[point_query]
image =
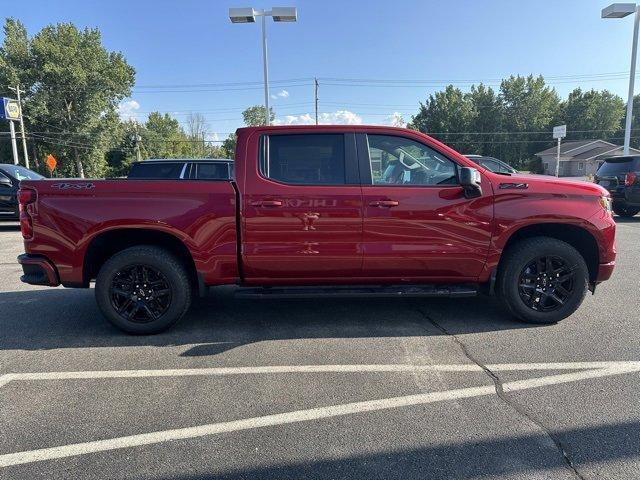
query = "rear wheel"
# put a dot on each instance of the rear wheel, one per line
(143, 290)
(542, 280)
(625, 210)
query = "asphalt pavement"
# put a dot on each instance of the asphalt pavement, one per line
(302, 389)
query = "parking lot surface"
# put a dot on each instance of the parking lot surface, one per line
(340, 389)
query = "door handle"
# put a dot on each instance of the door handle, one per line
(384, 203)
(267, 203)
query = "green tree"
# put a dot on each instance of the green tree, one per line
(255, 116)
(591, 114)
(73, 86)
(446, 114)
(486, 118)
(529, 105)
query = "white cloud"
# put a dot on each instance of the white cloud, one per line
(339, 117)
(128, 110)
(280, 94)
(396, 120)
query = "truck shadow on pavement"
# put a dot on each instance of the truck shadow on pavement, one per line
(68, 318)
(521, 456)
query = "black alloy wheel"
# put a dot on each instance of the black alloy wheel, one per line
(140, 293)
(546, 283)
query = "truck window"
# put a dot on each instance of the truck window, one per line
(212, 171)
(304, 159)
(402, 161)
(169, 170)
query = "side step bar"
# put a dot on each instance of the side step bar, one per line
(462, 290)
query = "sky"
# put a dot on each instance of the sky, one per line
(375, 60)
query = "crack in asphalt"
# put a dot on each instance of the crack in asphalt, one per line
(562, 449)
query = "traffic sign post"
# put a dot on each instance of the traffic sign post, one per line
(559, 132)
(11, 111)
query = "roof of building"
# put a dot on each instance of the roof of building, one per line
(596, 149)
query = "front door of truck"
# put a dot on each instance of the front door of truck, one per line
(418, 225)
(302, 210)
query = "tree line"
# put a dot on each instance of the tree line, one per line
(515, 122)
(73, 87)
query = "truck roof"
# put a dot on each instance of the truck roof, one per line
(327, 128)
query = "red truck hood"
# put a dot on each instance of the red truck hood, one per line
(549, 184)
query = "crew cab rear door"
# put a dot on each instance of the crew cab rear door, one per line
(301, 208)
(418, 224)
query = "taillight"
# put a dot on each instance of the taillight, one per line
(630, 179)
(26, 197)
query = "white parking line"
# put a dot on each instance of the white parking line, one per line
(357, 368)
(607, 369)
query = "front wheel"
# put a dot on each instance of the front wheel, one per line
(143, 290)
(542, 280)
(625, 210)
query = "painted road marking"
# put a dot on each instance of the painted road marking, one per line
(606, 369)
(357, 368)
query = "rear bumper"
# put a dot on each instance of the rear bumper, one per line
(38, 270)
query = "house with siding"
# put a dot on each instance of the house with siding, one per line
(579, 157)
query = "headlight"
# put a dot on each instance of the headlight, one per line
(605, 202)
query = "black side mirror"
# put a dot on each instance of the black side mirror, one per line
(470, 181)
(5, 182)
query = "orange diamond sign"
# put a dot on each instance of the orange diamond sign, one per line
(51, 162)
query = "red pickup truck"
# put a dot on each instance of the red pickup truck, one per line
(322, 210)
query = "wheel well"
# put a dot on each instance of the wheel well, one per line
(577, 237)
(107, 244)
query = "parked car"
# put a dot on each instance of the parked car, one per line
(322, 211)
(10, 177)
(492, 164)
(619, 175)
(185, 169)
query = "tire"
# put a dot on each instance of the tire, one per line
(625, 210)
(121, 290)
(522, 280)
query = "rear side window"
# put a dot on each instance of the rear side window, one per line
(169, 170)
(305, 159)
(617, 166)
(212, 171)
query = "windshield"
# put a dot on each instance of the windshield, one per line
(21, 173)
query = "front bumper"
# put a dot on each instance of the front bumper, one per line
(38, 270)
(604, 271)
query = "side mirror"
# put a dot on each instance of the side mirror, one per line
(5, 182)
(471, 182)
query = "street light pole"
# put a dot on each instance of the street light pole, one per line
(266, 69)
(248, 15)
(621, 10)
(632, 77)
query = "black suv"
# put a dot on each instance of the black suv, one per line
(10, 176)
(186, 169)
(620, 175)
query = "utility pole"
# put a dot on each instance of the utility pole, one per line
(316, 96)
(14, 146)
(137, 139)
(24, 138)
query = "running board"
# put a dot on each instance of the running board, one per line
(463, 290)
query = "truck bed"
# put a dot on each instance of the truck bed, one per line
(71, 215)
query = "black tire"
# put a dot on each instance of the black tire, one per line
(528, 292)
(120, 288)
(625, 210)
